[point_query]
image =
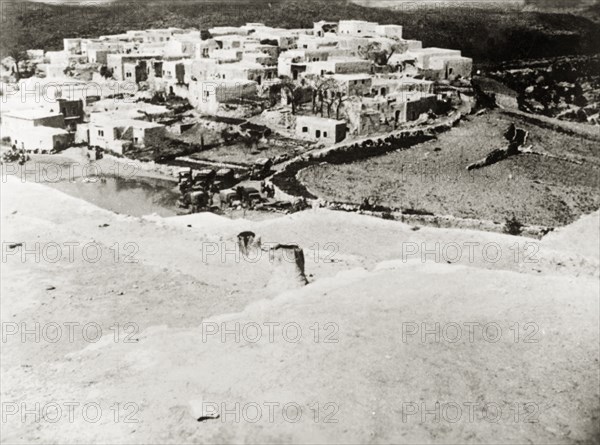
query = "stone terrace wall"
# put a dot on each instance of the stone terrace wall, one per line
(351, 151)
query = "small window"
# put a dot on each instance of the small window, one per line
(318, 133)
(100, 132)
(128, 75)
(304, 129)
(135, 140)
(324, 134)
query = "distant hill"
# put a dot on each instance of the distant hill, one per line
(561, 4)
(487, 35)
(542, 4)
(412, 4)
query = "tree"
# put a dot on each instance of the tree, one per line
(334, 95)
(319, 86)
(380, 53)
(314, 82)
(18, 44)
(328, 99)
(340, 98)
(406, 63)
(292, 91)
(324, 91)
(19, 56)
(155, 143)
(106, 72)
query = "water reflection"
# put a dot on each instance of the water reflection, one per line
(130, 196)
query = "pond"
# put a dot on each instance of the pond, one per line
(129, 196)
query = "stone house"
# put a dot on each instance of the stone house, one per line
(441, 63)
(35, 129)
(385, 85)
(127, 66)
(113, 132)
(319, 129)
(207, 95)
(389, 31)
(354, 84)
(357, 28)
(340, 65)
(230, 41)
(218, 31)
(323, 27)
(72, 46)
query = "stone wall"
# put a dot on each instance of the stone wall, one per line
(351, 151)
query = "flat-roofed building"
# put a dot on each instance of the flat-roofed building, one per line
(314, 128)
(357, 28)
(33, 117)
(230, 41)
(354, 84)
(123, 66)
(314, 43)
(389, 31)
(206, 95)
(227, 30)
(42, 139)
(442, 63)
(72, 46)
(242, 71)
(271, 50)
(341, 65)
(384, 86)
(35, 129)
(114, 132)
(323, 27)
(260, 58)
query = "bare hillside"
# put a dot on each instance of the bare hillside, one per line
(527, 372)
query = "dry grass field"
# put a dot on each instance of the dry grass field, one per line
(432, 176)
(240, 153)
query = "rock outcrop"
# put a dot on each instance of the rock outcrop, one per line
(288, 267)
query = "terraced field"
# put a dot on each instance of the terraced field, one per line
(537, 190)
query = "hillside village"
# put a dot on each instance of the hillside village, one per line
(255, 234)
(142, 93)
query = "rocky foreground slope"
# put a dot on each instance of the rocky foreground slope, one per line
(402, 335)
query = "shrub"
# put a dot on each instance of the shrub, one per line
(513, 226)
